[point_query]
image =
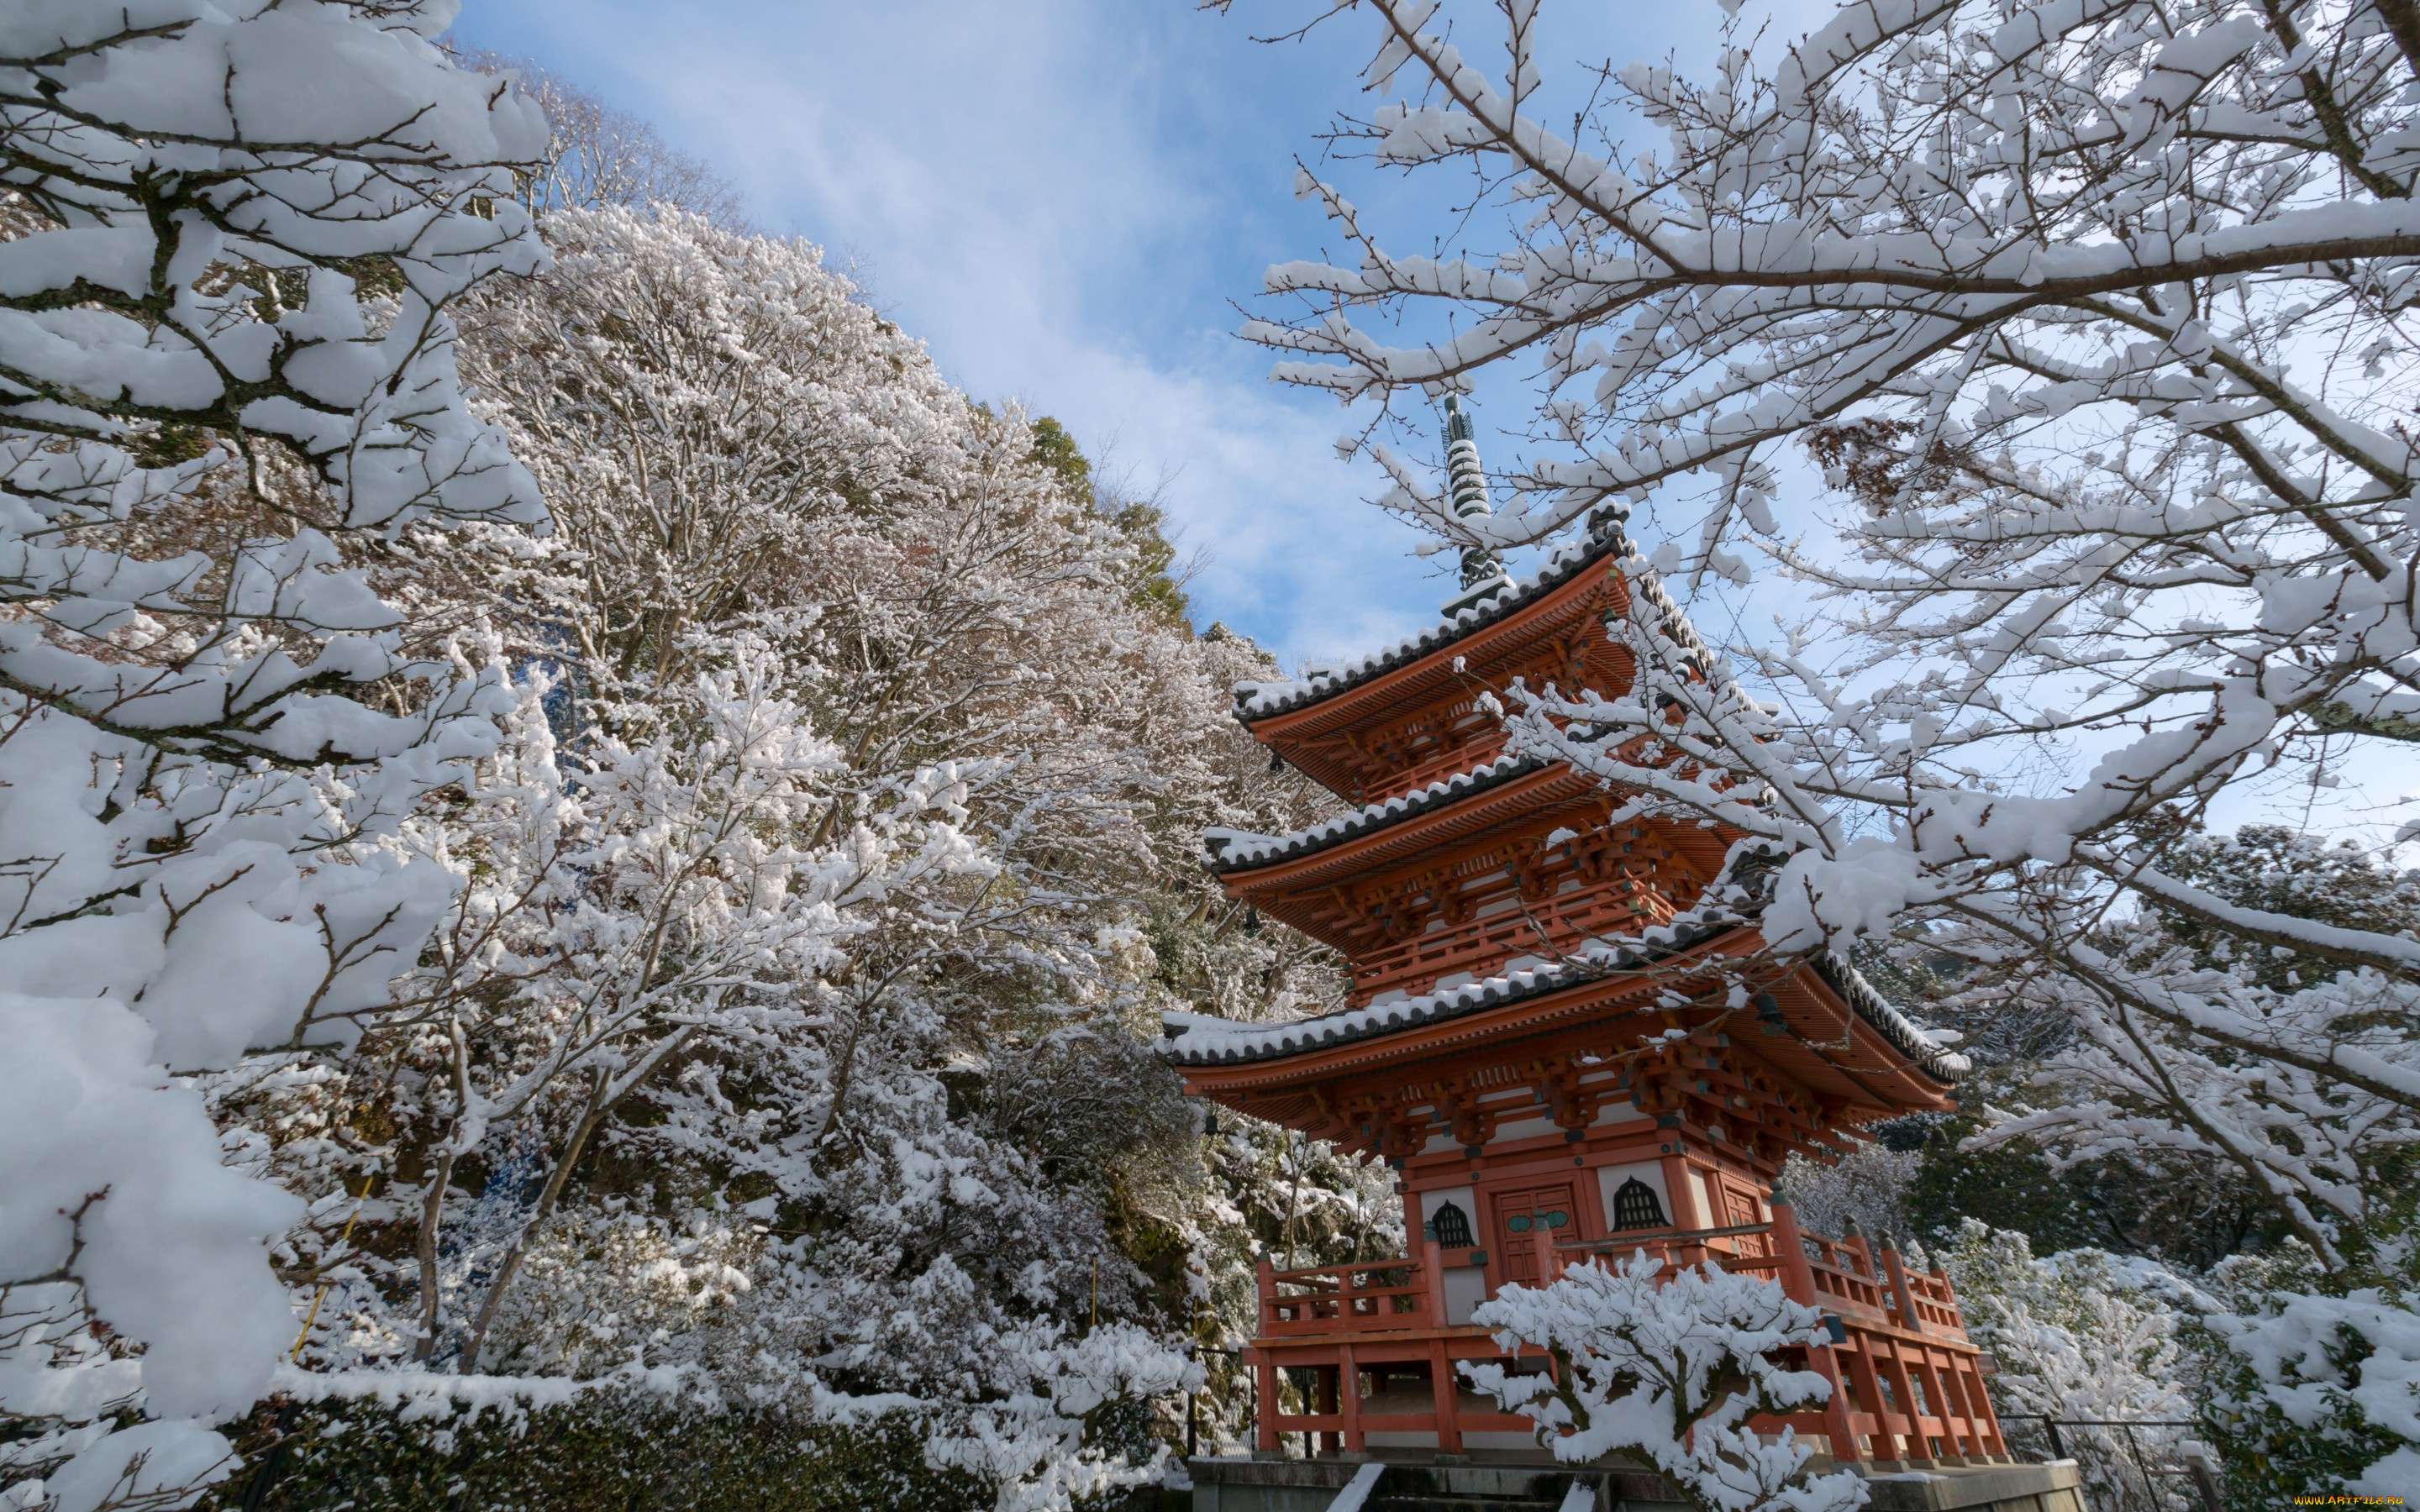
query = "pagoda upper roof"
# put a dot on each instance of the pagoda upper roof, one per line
(1204, 1040)
(1261, 699)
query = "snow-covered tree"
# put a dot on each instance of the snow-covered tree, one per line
(225, 352)
(597, 155)
(791, 1024)
(2327, 1153)
(2094, 320)
(1864, 1191)
(1669, 1368)
(2081, 1335)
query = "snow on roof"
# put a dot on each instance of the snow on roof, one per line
(1258, 699)
(1204, 1040)
(1733, 901)
(1239, 850)
(1911, 1038)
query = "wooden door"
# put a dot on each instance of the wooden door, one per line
(1519, 1215)
(1739, 1213)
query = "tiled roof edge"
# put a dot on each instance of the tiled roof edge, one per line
(1235, 850)
(1260, 700)
(1889, 1020)
(1276, 1041)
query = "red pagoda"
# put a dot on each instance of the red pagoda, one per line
(1566, 1034)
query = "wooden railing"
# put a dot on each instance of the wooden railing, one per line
(1364, 1297)
(1907, 1384)
(1843, 1277)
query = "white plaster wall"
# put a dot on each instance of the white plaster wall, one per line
(1526, 1128)
(1465, 1288)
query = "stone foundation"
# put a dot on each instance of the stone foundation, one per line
(1272, 1485)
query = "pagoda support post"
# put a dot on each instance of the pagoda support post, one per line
(1447, 1394)
(1687, 1213)
(1957, 1428)
(1348, 1397)
(1798, 1284)
(1869, 1388)
(1433, 1268)
(1264, 1403)
(1852, 1240)
(1968, 1380)
(1896, 1269)
(1326, 1397)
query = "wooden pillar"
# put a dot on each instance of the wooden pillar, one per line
(1265, 1402)
(1433, 1267)
(1544, 1238)
(1856, 1239)
(1979, 1396)
(1798, 1284)
(1967, 1373)
(1449, 1428)
(1957, 1424)
(1348, 1394)
(1329, 1381)
(1684, 1193)
(1896, 1270)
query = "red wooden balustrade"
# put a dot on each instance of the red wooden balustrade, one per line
(1907, 1382)
(1370, 1296)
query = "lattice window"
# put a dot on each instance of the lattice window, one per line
(1636, 1206)
(1450, 1227)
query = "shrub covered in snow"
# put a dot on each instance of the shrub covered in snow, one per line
(2311, 1377)
(1669, 1368)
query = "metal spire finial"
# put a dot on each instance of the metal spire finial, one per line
(1466, 486)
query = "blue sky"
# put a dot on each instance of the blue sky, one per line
(1069, 200)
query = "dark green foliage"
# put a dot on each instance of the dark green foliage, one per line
(612, 1453)
(2269, 1459)
(2283, 872)
(1140, 521)
(2190, 1215)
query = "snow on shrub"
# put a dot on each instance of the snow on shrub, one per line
(1671, 1369)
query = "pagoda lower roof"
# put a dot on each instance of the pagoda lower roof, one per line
(1204, 1040)
(1240, 850)
(1260, 700)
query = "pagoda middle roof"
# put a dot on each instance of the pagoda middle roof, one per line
(1204, 1040)
(1260, 700)
(1241, 850)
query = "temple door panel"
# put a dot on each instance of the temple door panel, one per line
(1740, 1211)
(1518, 1216)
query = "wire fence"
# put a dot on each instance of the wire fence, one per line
(2128, 1464)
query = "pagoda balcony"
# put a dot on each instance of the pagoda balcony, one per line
(1907, 1381)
